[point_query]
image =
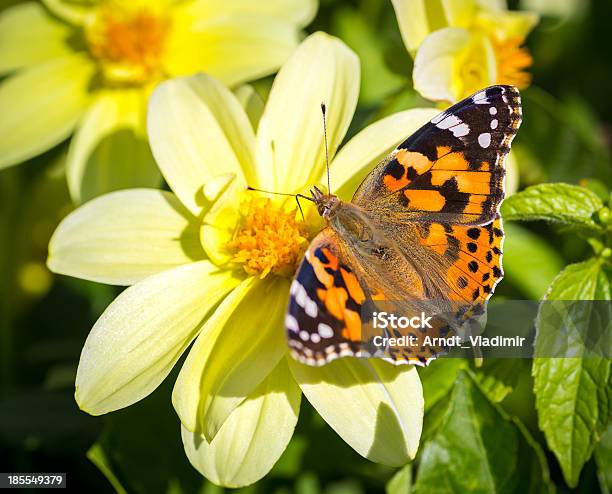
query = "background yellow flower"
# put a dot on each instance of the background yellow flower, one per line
(462, 46)
(90, 67)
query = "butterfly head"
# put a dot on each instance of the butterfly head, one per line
(327, 204)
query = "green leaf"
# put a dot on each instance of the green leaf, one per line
(530, 263)
(400, 482)
(479, 450)
(573, 395)
(561, 203)
(498, 377)
(603, 459)
(439, 378)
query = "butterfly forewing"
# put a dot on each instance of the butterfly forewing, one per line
(452, 169)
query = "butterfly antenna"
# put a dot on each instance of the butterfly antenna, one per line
(297, 197)
(324, 111)
(269, 192)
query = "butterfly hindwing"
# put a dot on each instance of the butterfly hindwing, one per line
(474, 255)
(323, 321)
(452, 169)
(326, 317)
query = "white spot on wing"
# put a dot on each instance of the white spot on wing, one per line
(439, 117)
(448, 122)
(484, 140)
(304, 335)
(480, 98)
(315, 338)
(493, 111)
(294, 287)
(461, 130)
(311, 308)
(325, 331)
(291, 323)
(494, 123)
(452, 123)
(300, 297)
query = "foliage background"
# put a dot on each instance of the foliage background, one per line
(44, 319)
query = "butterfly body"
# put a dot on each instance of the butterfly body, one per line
(422, 230)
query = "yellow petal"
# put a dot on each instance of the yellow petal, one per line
(29, 35)
(359, 156)
(507, 24)
(459, 13)
(41, 105)
(238, 347)
(251, 101)
(512, 177)
(220, 222)
(377, 408)
(290, 135)
(234, 49)
(123, 237)
(73, 11)
(253, 437)
(109, 150)
(213, 189)
(477, 68)
(198, 130)
(412, 20)
(298, 12)
(437, 62)
(141, 335)
(419, 18)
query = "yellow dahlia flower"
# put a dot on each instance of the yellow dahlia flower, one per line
(89, 68)
(210, 263)
(461, 46)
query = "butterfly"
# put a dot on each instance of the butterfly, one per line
(422, 228)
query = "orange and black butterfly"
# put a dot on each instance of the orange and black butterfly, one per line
(423, 228)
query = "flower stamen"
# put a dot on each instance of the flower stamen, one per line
(512, 61)
(128, 43)
(268, 240)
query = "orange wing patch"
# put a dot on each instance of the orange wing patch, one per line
(353, 286)
(340, 290)
(474, 254)
(450, 161)
(410, 159)
(449, 184)
(425, 200)
(467, 182)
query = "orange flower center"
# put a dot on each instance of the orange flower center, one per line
(512, 61)
(268, 240)
(129, 44)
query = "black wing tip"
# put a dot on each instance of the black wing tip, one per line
(509, 94)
